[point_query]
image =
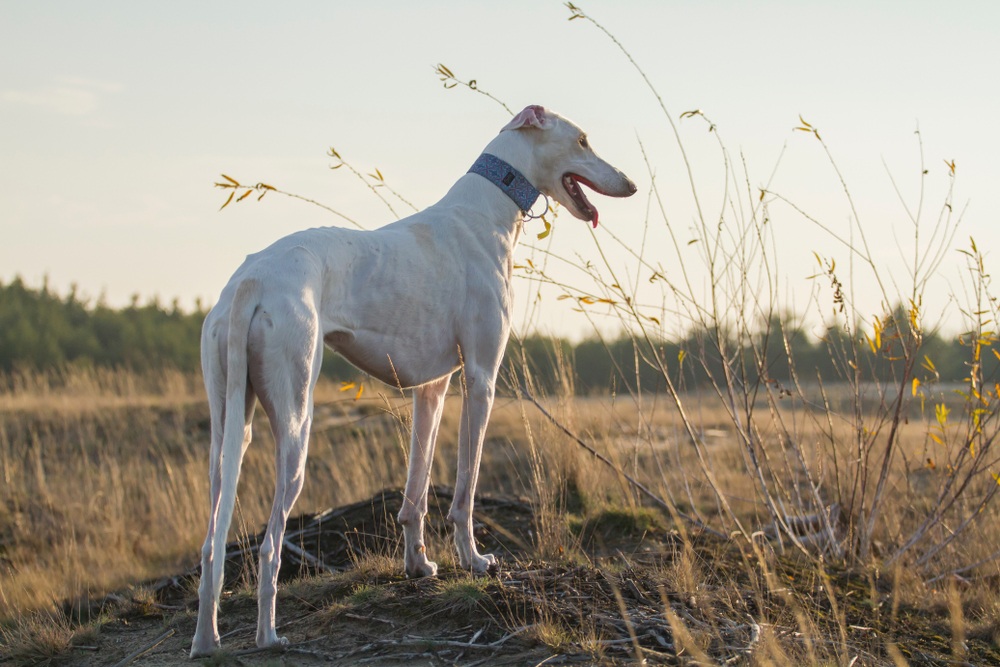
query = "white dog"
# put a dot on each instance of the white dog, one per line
(409, 304)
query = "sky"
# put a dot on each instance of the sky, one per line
(118, 117)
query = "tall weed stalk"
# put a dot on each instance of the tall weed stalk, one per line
(826, 454)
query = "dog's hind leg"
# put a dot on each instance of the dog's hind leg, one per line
(286, 354)
(206, 637)
(428, 403)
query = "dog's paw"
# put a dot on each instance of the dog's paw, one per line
(204, 649)
(425, 568)
(416, 564)
(484, 564)
(272, 641)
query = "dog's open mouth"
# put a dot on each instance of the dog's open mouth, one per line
(571, 182)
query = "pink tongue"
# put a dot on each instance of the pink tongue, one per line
(579, 185)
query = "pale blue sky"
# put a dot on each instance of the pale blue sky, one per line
(117, 117)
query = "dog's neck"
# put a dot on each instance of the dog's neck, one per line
(517, 150)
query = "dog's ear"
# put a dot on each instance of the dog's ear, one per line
(531, 116)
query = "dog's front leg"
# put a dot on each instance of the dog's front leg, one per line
(479, 390)
(428, 402)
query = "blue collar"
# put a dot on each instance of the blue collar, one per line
(508, 179)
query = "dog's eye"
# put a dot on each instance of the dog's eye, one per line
(583, 141)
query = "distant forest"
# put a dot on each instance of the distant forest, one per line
(39, 329)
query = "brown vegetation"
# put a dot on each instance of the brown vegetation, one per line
(110, 489)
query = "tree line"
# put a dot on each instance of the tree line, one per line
(40, 329)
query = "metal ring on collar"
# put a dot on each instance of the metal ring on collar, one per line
(528, 215)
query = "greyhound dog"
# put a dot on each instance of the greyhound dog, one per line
(409, 304)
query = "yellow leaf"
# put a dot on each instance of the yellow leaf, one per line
(586, 299)
(916, 385)
(231, 180)
(231, 195)
(996, 477)
(680, 356)
(244, 195)
(345, 386)
(548, 229)
(563, 296)
(941, 412)
(361, 389)
(936, 439)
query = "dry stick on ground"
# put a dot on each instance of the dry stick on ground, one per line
(149, 647)
(606, 461)
(993, 556)
(308, 558)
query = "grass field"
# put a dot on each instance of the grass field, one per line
(106, 488)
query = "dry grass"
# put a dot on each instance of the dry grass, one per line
(111, 488)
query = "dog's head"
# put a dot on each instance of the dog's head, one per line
(564, 160)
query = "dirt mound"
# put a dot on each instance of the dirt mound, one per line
(335, 539)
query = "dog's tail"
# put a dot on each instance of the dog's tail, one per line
(231, 458)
